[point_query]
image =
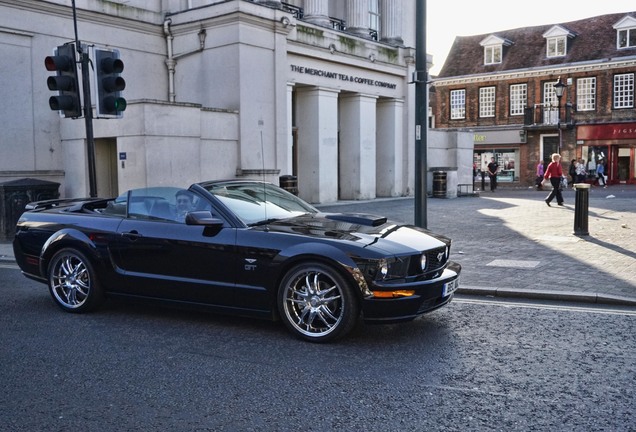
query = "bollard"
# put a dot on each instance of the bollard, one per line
(581, 205)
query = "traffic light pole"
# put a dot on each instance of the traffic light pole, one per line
(421, 115)
(88, 118)
(88, 108)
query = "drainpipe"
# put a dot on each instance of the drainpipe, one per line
(170, 61)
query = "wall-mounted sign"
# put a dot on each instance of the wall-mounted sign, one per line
(606, 131)
(342, 77)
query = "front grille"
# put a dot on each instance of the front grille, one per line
(435, 259)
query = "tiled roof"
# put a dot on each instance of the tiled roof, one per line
(595, 39)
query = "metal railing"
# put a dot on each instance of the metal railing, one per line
(296, 11)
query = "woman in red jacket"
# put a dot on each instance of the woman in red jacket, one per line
(554, 173)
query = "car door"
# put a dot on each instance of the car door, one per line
(169, 259)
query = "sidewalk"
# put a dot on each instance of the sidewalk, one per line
(511, 244)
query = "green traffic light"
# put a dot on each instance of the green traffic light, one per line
(120, 104)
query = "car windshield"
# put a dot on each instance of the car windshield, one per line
(256, 203)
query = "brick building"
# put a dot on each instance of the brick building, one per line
(501, 88)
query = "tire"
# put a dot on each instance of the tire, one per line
(316, 303)
(73, 282)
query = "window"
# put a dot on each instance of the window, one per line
(627, 38)
(374, 17)
(586, 94)
(550, 104)
(487, 102)
(492, 54)
(458, 104)
(557, 46)
(518, 97)
(626, 32)
(493, 49)
(624, 91)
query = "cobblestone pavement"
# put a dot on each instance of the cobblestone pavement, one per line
(510, 243)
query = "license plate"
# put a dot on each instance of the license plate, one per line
(450, 287)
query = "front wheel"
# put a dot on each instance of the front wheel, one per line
(316, 303)
(72, 281)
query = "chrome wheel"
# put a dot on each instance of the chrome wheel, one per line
(72, 282)
(316, 303)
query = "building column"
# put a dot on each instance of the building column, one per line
(317, 122)
(391, 22)
(357, 148)
(317, 12)
(390, 148)
(358, 17)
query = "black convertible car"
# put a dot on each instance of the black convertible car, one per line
(241, 247)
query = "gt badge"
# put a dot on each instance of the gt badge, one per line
(249, 264)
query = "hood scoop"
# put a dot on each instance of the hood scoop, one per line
(358, 218)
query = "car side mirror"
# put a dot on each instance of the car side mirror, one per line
(203, 218)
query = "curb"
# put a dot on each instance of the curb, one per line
(570, 296)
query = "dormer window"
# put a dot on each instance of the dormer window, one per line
(626, 33)
(557, 41)
(557, 46)
(493, 49)
(492, 54)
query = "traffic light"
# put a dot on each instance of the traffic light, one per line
(108, 68)
(65, 82)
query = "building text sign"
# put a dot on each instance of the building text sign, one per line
(342, 77)
(607, 131)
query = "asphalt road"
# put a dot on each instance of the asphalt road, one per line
(475, 365)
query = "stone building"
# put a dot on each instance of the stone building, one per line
(501, 88)
(317, 89)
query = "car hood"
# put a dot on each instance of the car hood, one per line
(369, 231)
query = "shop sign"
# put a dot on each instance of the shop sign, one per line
(606, 131)
(342, 77)
(499, 137)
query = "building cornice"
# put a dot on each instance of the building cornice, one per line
(539, 72)
(116, 15)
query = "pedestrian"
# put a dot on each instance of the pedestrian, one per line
(539, 179)
(493, 167)
(600, 173)
(572, 171)
(581, 172)
(554, 173)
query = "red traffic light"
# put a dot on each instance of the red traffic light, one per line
(59, 63)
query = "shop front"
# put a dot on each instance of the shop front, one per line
(612, 144)
(505, 147)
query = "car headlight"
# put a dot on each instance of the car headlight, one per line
(423, 261)
(392, 268)
(383, 268)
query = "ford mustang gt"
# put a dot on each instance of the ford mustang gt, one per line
(240, 247)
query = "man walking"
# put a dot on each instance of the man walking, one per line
(493, 167)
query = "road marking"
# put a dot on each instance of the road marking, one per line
(9, 266)
(513, 263)
(586, 309)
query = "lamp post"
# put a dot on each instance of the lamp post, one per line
(559, 88)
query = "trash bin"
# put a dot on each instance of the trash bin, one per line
(439, 184)
(289, 183)
(15, 195)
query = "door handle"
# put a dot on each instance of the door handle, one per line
(131, 235)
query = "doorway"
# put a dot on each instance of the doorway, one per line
(549, 146)
(106, 167)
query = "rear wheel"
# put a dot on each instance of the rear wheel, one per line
(316, 303)
(72, 281)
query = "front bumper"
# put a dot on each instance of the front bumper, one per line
(428, 297)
